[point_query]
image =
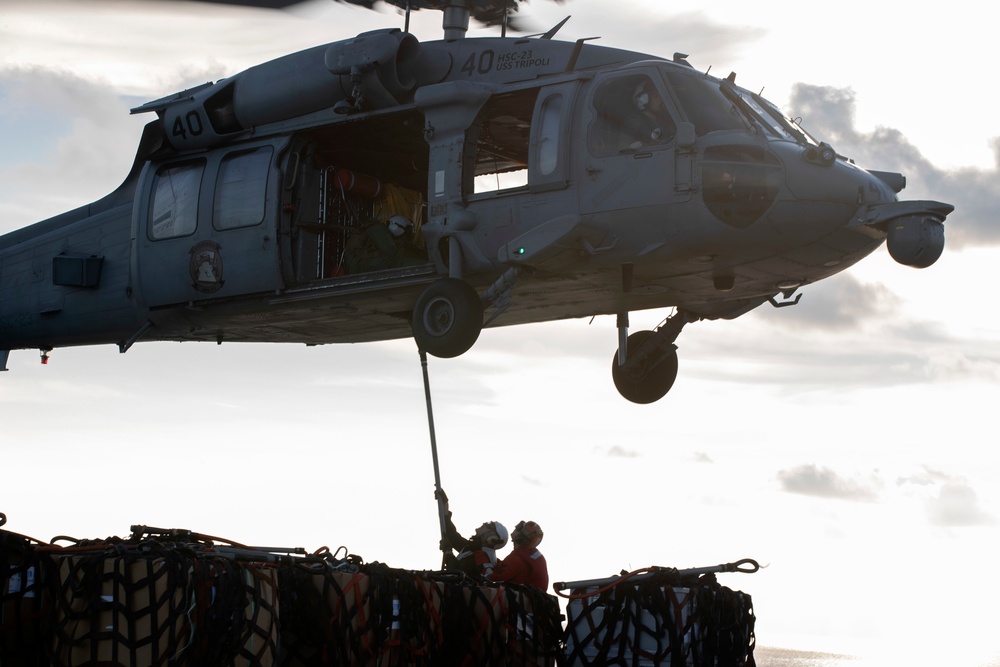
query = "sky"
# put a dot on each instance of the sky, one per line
(848, 443)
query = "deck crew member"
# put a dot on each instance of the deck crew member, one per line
(525, 564)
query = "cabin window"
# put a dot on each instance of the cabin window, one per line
(501, 133)
(174, 210)
(548, 136)
(630, 115)
(240, 192)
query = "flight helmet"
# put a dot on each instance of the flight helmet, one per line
(641, 97)
(527, 533)
(400, 225)
(492, 534)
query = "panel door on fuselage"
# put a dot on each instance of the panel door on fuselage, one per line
(631, 161)
(205, 226)
(522, 162)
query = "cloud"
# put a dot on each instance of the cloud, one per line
(952, 503)
(957, 505)
(617, 451)
(841, 304)
(651, 28)
(82, 143)
(812, 480)
(925, 477)
(831, 115)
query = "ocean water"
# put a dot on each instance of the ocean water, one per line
(783, 657)
(786, 657)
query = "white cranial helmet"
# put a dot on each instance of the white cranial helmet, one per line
(492, 534)
(399, 225)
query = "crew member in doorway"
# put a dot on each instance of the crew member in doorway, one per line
(525, 564)
(477, 555)
(378, 245)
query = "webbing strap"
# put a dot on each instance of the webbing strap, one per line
(259, 645)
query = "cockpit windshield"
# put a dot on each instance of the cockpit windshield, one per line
(763, 118)
(712, 107)
(790, 126)
(703, 102)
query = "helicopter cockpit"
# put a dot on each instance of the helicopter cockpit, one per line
(710, 105)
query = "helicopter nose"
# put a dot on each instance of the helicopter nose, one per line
(740, 183)
(813, 173)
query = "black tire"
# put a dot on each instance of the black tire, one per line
(447, 318)
(655, 382)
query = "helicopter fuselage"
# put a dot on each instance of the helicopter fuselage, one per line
(558, 180)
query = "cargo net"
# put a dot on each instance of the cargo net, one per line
(167, 598)
(22, 602)
(341, 612)
(151, 599)
(665, 619)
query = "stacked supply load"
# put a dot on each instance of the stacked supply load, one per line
(177, 598)
(659, 616)
(21, 600)
(342, 612)
(155, 598)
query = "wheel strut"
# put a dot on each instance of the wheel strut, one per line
(622, 338)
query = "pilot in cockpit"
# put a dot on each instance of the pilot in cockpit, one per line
(651, 124)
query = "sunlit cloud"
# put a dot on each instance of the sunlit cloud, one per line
(841, 304)
(952, 502)
(813, 480)
(957, 505)
(617, 451)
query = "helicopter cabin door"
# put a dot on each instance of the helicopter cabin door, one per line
(631, 158)
(205, 226)
(521, 159)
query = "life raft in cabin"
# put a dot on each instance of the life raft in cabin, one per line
(177, 598)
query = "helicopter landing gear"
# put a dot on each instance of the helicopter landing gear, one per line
(649, 372)
(447, 318)
(645, 366)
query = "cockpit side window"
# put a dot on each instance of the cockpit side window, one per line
(630, 115)
(241, 189)
(174, 209)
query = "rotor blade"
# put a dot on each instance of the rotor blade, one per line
(487, 12)
(264, 4)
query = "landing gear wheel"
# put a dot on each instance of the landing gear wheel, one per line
(649, 384)
(447, 318)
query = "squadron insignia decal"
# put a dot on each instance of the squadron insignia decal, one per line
(205, 267)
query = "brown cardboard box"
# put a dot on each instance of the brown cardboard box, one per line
(119, 609)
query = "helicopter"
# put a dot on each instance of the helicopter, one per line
(380, 187)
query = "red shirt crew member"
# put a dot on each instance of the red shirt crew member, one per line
(525, 564)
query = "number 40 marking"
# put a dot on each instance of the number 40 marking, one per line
(189, 124)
